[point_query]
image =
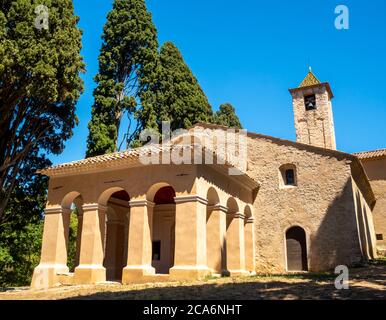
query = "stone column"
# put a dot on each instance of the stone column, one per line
(190, 239)
(79, 237)
(235, 244)
(53, 258)
(215, 238)
(111, 248)
(90, 269)
(249, 245)
(139, 242)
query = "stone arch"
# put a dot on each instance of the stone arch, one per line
(248, 212)
(162, 226)
(151, 192)
(232, 206)
(107, 194)
(296, 248)
(212, 196)
(116, 200)
(69, 199)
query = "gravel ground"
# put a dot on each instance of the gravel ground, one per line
(365, 283)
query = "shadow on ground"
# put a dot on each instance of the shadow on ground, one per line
(313, 287)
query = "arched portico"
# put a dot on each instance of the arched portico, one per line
(120, 233)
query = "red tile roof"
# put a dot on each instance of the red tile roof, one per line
(371, 154)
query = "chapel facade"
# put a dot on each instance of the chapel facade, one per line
(294, 207)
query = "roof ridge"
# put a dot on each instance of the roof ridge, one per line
(295, 143)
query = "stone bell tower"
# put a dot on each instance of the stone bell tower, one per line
(312, 105)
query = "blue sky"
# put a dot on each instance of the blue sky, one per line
(250, 52)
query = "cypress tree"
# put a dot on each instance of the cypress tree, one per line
(176, 96)
(40, 63)
(40, 66)
(227, 116)
(126, 63)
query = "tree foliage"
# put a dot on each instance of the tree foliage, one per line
(39, 87)
(126, 64)
(226, 116)
(19, 253)
(22, 226)
(176, 95)
(72, 241)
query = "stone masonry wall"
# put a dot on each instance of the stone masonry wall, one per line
(322, 203)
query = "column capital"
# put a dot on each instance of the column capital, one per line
(190, 198)
(250, 220)
(141, 203)
(219, 207)
(237, 215)
(53, 210)
(94, 206)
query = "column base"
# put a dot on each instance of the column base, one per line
(133, 274)
(89, 274)
(46, 275)
(189, 273)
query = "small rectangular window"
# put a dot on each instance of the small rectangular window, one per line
(310, 102)
(156, 250)
(289, 177)
(379, 237)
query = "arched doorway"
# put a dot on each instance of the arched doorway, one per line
(116, 235)
(163, 231)
(296, 249)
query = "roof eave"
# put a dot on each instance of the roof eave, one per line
(323, 84)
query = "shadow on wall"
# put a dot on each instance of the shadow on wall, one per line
(336, 241)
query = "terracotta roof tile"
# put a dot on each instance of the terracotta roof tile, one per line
(371, 154)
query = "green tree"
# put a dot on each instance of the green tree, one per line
(72, 241)
(39, 88)
(19, 253)
(226, 116)
(126, 63)
(176, 95)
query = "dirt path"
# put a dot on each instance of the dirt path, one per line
(365, 283)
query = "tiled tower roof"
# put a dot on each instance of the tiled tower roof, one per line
(309, 80)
